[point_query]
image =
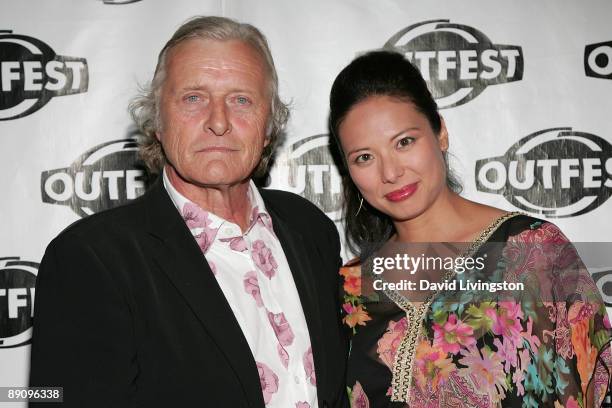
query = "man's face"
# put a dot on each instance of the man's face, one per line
(214, 106)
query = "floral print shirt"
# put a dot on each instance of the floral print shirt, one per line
(533, 351)
(254, 275)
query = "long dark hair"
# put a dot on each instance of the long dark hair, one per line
(381, 73)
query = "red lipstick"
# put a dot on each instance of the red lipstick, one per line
(403, 193)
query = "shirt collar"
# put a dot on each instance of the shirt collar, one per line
(200, 221)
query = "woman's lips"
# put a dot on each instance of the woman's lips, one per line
(403, 193)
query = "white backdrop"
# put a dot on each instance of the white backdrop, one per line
(540, 84)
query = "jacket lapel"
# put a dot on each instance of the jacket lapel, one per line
(299, 254)
(182, 261)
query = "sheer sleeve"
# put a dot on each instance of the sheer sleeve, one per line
(567, 360)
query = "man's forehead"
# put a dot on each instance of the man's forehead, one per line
(216, 54)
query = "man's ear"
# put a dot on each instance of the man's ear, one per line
(443, 136)
(268, 136)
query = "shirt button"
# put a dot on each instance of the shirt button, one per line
(296, 379)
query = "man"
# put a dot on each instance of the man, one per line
(205, 291)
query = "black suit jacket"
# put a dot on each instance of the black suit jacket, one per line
(128, 312)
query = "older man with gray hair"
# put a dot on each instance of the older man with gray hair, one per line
(206, 291)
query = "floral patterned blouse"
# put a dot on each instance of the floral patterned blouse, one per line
(547, 348)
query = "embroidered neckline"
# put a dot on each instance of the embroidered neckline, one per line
(401, 382)
(484, 235)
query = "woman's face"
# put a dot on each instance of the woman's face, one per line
(394, 157)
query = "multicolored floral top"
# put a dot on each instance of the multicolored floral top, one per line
(548, 347)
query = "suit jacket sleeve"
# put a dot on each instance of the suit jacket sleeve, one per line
(342, 401)
(83, 336)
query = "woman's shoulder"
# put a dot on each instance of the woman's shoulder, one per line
(528, 229)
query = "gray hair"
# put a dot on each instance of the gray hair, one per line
(145, 107)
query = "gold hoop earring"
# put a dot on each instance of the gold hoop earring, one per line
(360, 205)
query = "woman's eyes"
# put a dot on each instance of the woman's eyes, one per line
(401, 144)
(362, 158)
(405, 141)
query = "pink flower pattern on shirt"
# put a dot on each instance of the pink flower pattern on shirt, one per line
(236, 243)
(263, 258)
(242, 283)
(268, 381)
(251, 286)
(283, 355)
(205, 238)
(195, 217)
(309, 367)
(281, 328)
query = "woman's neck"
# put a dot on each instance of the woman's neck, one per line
(451, 218)
(448, 219)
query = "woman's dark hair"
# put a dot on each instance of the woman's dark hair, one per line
(382, 73)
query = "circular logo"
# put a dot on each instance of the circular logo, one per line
(104, 177)
(457, 61)
(603, 280)
(17, 291)
(598, 60)
(555, 172)
(308, 169)
(32, 73)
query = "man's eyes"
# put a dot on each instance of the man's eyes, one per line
(192, 98)
(242, 100)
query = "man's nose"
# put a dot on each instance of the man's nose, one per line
(390, 169)
(218, 122)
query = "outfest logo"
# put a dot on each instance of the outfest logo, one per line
(457, 61)
(308, 169)
(603, 280)
(17, 293)
(104, 177)
(598, 60)
(556, 172)
(31, 73)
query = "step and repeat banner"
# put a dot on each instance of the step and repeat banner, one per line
(525, 89)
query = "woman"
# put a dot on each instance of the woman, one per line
(544, 345)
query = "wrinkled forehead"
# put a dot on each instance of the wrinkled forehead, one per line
(227, 60)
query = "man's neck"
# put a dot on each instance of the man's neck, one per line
(228, 202)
